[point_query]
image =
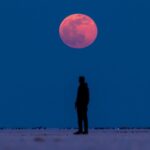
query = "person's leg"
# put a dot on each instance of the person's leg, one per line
(79, 120)
(79, 115)
(85, 119)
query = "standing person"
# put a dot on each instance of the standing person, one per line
(81, 106)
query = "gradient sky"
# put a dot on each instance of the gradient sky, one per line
(39, 74)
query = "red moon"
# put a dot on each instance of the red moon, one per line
(78, 31)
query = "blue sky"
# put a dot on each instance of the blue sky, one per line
(39, 74)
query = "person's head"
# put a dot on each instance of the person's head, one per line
(81, 79)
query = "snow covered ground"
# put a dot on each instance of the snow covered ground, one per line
(51, 139)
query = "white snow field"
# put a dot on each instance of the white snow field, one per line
(56, 139)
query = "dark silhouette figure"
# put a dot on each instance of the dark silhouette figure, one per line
(81, 106)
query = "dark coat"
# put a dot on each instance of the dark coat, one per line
(82, 96)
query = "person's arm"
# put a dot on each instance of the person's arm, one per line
(88, 96)
(77, 99)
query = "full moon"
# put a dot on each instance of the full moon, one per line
(78, 31)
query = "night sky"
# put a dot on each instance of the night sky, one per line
(39, 74)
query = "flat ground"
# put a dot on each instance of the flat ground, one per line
(51, 139)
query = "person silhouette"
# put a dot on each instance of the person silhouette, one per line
(81, 105)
